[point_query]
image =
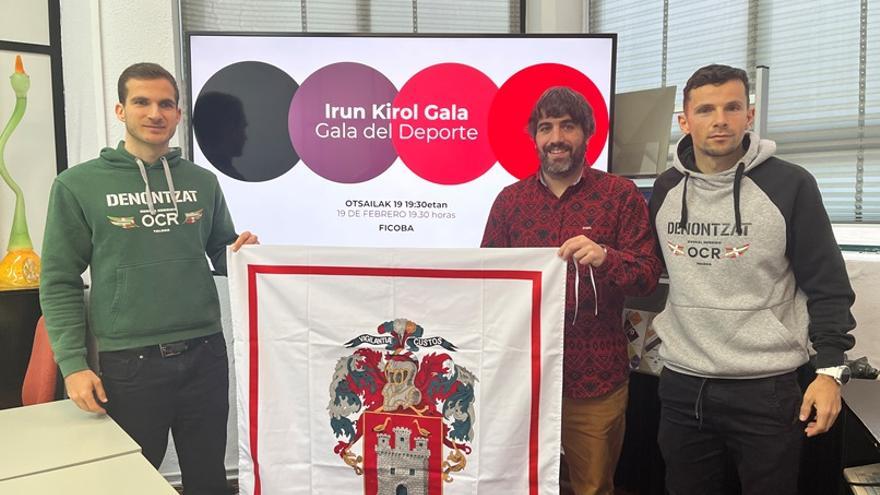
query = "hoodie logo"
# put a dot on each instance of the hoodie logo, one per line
(194, 216)
(158, 197)
(123, 222)
(156, 211)
(735, 252)
(162, 219)
(707, 229)
(675, 249)
(705, 254)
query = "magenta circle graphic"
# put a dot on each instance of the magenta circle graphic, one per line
(339, 122)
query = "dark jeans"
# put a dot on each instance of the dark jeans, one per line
(705, 423)
(188, 394)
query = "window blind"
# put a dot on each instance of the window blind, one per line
(824, 95)
(343, 16)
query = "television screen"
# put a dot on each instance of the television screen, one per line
(381, 140)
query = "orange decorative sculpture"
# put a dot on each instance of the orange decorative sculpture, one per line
(20, 268)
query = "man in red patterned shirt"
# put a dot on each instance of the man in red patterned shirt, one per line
(600, 224)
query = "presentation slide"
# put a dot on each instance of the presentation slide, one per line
(381, 141)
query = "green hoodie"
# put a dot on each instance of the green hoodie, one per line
(144, 231)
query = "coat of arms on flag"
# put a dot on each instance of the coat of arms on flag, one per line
(396, 371)
(409, 410)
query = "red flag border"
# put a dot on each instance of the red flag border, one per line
(535, 277)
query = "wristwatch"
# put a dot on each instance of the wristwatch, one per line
(841, 374)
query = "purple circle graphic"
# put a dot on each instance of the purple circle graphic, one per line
(339, 122)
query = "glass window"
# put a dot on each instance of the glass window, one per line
(824, 77)
(352, 16)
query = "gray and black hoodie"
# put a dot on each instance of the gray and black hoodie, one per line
(757, 281)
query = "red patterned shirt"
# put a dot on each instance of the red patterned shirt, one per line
(528, 214)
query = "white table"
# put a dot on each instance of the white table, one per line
(56, 447)
(55, 435)
(130, 474)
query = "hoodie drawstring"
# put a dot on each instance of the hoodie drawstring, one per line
(170, 184)
(737, 185)
(150, 205)
(698, 405)
(684, 205)
(149, 194)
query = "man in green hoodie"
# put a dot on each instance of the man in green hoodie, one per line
(143, 220)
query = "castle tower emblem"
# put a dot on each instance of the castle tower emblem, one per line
(407, 406)
(403, 467)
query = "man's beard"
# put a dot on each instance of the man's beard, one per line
(722, 151)
(561, 168)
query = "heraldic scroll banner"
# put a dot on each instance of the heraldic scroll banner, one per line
(398, 371)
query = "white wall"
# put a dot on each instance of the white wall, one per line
(99, 39)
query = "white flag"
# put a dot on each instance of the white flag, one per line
(398, 371)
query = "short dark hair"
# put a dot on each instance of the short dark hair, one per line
(144, 71)
(715, 74)
(559, 101)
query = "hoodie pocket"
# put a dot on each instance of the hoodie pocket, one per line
(164, 296)
(728, 343)
(764, 333)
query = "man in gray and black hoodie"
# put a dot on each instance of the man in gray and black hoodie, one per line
(757, 285)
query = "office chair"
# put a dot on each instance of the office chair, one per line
(41, 376)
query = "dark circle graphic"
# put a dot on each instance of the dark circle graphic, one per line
(339, 121)
(440, 129)
(240, 121)
(509, 117)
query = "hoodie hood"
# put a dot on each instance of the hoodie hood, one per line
(757, 152)
(121, 158)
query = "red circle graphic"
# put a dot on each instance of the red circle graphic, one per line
(509, 116)
(440, 129)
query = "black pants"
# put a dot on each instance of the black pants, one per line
(706, 423)
(187, 393)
